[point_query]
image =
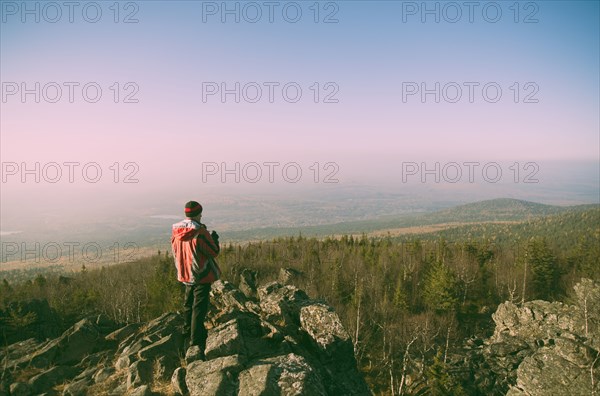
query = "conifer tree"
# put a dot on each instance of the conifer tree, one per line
(544, 269)
(440, 291)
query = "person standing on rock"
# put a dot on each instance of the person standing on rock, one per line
(194, 250)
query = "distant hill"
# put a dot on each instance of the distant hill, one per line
(500, 209)
(495, 210)
(576, 225)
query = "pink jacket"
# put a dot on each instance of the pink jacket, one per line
(194, 251)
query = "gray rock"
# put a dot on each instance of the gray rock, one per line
(47, 379)
(561, 369)
(68, 349)
(325, 328)
(165, 324)
(77, 388)
(286, 344)
(124, 361)
(334, 348)
(259, 379)
(151, 332)
(10, 355)
(248, 283)
(194, 353)
(133, 346)
(536, 320)
(227, 303)
(216, 377)
(224, 340)
(124, 332)
(165, 366)
(289, 276)
(282, 375)
(128, 352)
(103, 374)
(543, 348)
(245, 335)
(119, 390)
(95, 359)
(178, 381)
(168, 345)
(139, 373)
(281, 305)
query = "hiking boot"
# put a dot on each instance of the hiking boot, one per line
(194, 353)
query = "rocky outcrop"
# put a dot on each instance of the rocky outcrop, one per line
(543, 348)
(288, 276)
(270, 340)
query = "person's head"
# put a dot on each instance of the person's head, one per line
(193, 210)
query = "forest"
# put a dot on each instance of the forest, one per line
(410, 303)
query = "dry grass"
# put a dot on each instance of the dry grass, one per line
(433, 228)
(104, 387)
(163, 388)
(70, 265)
(23, 375)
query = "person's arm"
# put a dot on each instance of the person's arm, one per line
(215, 238)
(206, 244)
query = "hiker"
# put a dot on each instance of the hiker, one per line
(194, 250)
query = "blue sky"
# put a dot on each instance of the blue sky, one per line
(367, 57)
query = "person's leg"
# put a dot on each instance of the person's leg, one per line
(188, 307)
(201, 299)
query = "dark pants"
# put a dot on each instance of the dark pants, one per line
(195, 307)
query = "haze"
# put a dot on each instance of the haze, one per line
(365, 64)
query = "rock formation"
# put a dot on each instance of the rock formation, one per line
(280, 343)
(275, 340)
(542, 348)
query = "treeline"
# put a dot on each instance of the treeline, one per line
(26, 272)
(126, 293)
(564, 231)
(409, 306)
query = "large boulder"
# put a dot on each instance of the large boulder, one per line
(73, 345)
(281, 375)
(333, 346)
(247, 335)
(544, 348)
(215, 377)
(562, 368)
(51, 377)
(160, 337)
(281, 305)
(178, 381)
